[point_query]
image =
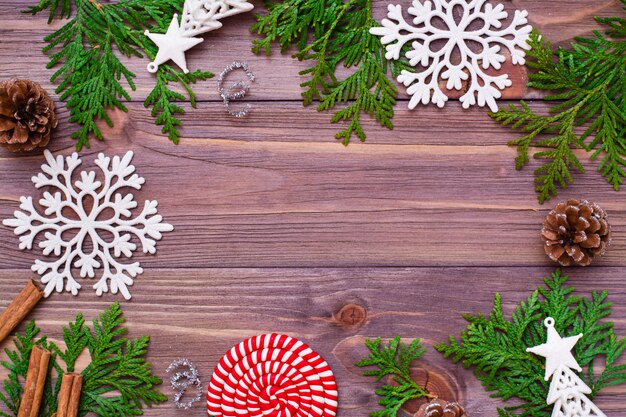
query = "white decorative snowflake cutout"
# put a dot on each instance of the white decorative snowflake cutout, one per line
(432, 48)
(83, 237)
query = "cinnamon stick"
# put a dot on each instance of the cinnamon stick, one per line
(19, 308)
(69, 395)
(35, 381)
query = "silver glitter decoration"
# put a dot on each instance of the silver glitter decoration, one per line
(236, 90)
(180, 381)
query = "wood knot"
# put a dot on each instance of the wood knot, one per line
(436, 382)
(442, 386)
(351, 315)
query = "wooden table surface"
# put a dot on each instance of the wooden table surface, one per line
(280, 228)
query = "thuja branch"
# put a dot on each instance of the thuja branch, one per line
(495, 347)
(393, 361)
(332, 33)
(118, 381)
(588, 82)
(92, 79)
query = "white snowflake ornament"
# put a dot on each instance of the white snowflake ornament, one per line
(88, 224)
(432, 46)
(567, 390)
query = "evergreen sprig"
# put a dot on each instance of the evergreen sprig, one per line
(496, 347)
(116, 383)
(92, 78)
(588, 83)
(329, 33)
(394, 361)
(17, 365)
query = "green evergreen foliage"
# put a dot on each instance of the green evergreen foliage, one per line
(330, 33)
(116, 383)
(17, 365)
(496, 347)
(90, 74)
(588, 111)
(394, 361)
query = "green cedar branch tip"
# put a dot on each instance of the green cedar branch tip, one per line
(330, 33)
(496, 347)
(588, 108)
(117, 382)
(394, 361)
(89, 73)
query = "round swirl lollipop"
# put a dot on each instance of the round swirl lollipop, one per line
(272, 376)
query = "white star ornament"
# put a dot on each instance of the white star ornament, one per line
(556, 350)
(172, 46)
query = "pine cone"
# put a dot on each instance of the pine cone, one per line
(26, 115)
(440, 408)
(575, 232)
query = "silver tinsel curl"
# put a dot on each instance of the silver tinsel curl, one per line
(181, 381)
(237, 90)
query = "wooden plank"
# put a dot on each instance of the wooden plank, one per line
(262, 204)
(270, 191)
(292, 123)
(564, 20)
(201, 313)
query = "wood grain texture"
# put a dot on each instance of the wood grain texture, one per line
(201, 313)
(272, 192)
(279, 228)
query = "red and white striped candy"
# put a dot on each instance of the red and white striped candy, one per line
(272, 376)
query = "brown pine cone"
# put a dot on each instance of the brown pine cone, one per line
(26, 115)
(440, 408)
(575, 232)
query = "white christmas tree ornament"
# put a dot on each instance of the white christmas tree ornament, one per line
(567, 390)
(199, 16)
(88, 224)
(440, 48)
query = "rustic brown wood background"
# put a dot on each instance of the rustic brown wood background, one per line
(280, 228)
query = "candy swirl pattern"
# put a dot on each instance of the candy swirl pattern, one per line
(272, 376)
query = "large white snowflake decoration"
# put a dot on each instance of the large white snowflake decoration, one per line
(84, 237)
(432, 48)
